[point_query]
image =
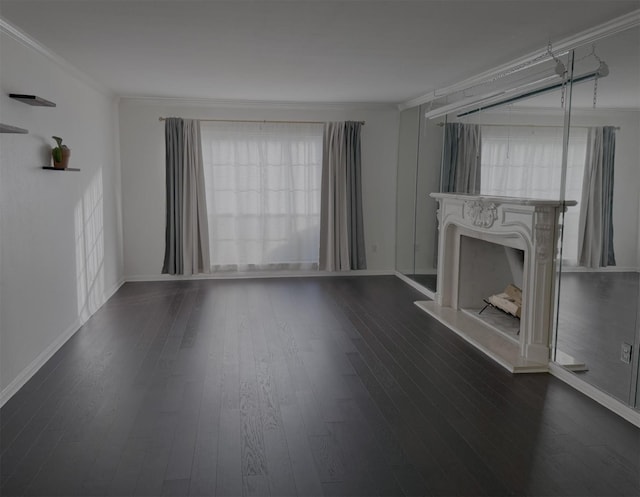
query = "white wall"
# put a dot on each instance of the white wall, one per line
(60, 232)
(638, 261)
(143, 173)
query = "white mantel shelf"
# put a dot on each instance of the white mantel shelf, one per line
(504, 200)
(526, 224)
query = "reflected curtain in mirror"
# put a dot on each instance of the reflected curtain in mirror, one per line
(526, 162)
(186, 233)
(341, 224)
(461, 158)
(595, 237)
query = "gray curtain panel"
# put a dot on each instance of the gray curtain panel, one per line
(355, 228)
(595, 229)
(174, 146)
(608, 159)
(341, 227)
(334, 238)
(186, 232)
(461, 159)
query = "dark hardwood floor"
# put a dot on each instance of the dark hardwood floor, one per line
(325, 386)
(429, 281)
(597, 314)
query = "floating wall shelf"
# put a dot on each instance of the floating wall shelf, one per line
(6, 128)
(60, 169)
(32, 100)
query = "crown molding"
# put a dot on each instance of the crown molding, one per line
(609, 28)
(255, 104)
(558, 112)
(30, 42)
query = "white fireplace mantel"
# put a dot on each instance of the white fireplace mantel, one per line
(530, 225)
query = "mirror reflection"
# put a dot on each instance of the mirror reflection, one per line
(419, 162)
(598, 304)
(406, 190)
(575, 142)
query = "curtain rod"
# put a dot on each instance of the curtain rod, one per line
(261, 122)
(531, 125)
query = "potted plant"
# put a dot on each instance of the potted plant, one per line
(60, 154)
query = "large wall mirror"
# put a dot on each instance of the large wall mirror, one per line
(419, 163)
(577, 141)
(597, 327)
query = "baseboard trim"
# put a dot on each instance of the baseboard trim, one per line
(111, 293)
(608, 269)
(422, 289)
(614, 405)
(253, 275)
(27, 373)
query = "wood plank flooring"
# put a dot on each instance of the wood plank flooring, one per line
(301, 386)
(597, 314)
(429, 281)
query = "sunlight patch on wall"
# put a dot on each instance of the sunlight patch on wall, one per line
(89, 235)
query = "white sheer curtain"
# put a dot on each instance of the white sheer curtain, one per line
(263, 194)
(526, 161)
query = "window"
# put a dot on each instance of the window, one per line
(526, 161)
(262, 183)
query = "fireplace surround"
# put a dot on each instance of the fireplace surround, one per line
(529, 225)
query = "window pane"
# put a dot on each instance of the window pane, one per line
(526, 161)
(263, 193)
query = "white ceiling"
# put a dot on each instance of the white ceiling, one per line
(297, 50)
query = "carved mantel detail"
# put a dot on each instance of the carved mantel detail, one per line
(529, 225)
(482, 214)
(544, 233)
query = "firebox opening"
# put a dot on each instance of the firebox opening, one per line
(487, 269)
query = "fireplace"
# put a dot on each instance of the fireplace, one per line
(488, 269)
(485, 242)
